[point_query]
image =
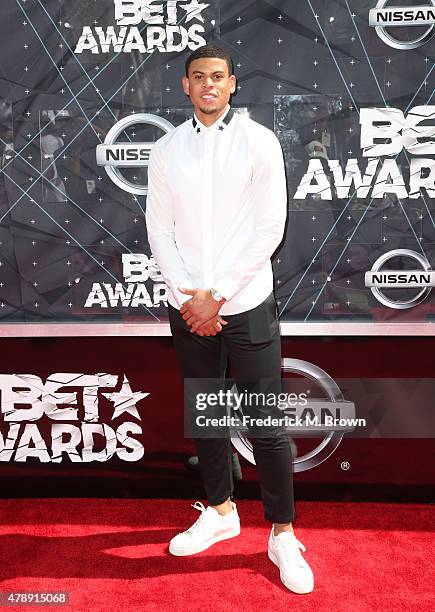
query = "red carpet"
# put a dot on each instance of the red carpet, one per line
(112, 555)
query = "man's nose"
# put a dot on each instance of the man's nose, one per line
(207, 82)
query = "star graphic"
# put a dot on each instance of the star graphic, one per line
(125, 400)
(194, 9)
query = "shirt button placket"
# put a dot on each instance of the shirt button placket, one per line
(207, 217)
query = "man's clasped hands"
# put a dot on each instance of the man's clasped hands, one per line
(201, 312)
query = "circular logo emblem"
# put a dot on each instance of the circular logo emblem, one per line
(422, 279)
(384, 18)
(114, 155)
(330, 441)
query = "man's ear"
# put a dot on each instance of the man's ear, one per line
(185, 83)
(233, 83)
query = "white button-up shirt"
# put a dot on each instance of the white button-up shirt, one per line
(216, 209)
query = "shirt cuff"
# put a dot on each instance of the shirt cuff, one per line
(227, 289)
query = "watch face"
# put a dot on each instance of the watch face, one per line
(216, 295)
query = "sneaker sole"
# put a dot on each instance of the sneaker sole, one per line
(225, 536)
(292, 587)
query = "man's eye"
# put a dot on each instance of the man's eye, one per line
(217, 77)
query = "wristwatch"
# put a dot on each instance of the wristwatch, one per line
(217, 296)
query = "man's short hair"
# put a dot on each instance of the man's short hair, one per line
(209, 51)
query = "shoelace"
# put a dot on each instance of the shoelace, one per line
(288, 549)
(301, 546)
(200, 520)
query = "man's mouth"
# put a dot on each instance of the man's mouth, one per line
(207, 97)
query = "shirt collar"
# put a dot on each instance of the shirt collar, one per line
(218, 125)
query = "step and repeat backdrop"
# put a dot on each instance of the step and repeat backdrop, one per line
(104, 417)
(87, 87)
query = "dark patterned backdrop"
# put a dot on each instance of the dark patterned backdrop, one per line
(306, 68)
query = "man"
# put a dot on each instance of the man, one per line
(216, 211)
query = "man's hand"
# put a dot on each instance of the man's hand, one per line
(199, 309)
(212, 327)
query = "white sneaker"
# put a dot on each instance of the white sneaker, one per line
(295, 572)
(208, 529)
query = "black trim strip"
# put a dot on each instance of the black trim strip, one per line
(226, 120)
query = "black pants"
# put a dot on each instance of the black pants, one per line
(252, 342)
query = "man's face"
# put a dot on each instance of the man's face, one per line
(209, 85)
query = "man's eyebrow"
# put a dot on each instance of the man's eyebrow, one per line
(200, 72)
